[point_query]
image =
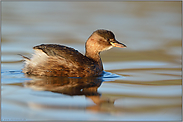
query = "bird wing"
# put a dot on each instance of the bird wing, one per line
(64, 52)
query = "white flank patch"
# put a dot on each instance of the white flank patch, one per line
(38, 57)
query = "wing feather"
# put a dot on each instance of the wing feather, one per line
(68, 53)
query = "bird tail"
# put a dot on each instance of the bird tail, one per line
(25, 58)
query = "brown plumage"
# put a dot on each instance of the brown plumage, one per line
(59, 60)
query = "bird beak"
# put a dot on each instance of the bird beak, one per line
(115, 43)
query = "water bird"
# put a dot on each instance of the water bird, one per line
(60, 60)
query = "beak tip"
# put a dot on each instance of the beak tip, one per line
(122, 46)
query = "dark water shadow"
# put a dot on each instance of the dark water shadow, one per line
(71, 86)
(88, 87)
(64, 85)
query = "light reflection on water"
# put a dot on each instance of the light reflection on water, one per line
(141, 82)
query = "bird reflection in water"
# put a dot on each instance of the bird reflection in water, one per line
(69, 86)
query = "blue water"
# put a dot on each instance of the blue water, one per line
(142, 82)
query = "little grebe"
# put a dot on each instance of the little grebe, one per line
(59, 60)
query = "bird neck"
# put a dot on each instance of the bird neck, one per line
(92, 48)
(93, 55)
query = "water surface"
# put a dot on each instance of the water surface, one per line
(141, 82)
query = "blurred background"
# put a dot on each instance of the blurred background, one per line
(151, 26)
(149, 68)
